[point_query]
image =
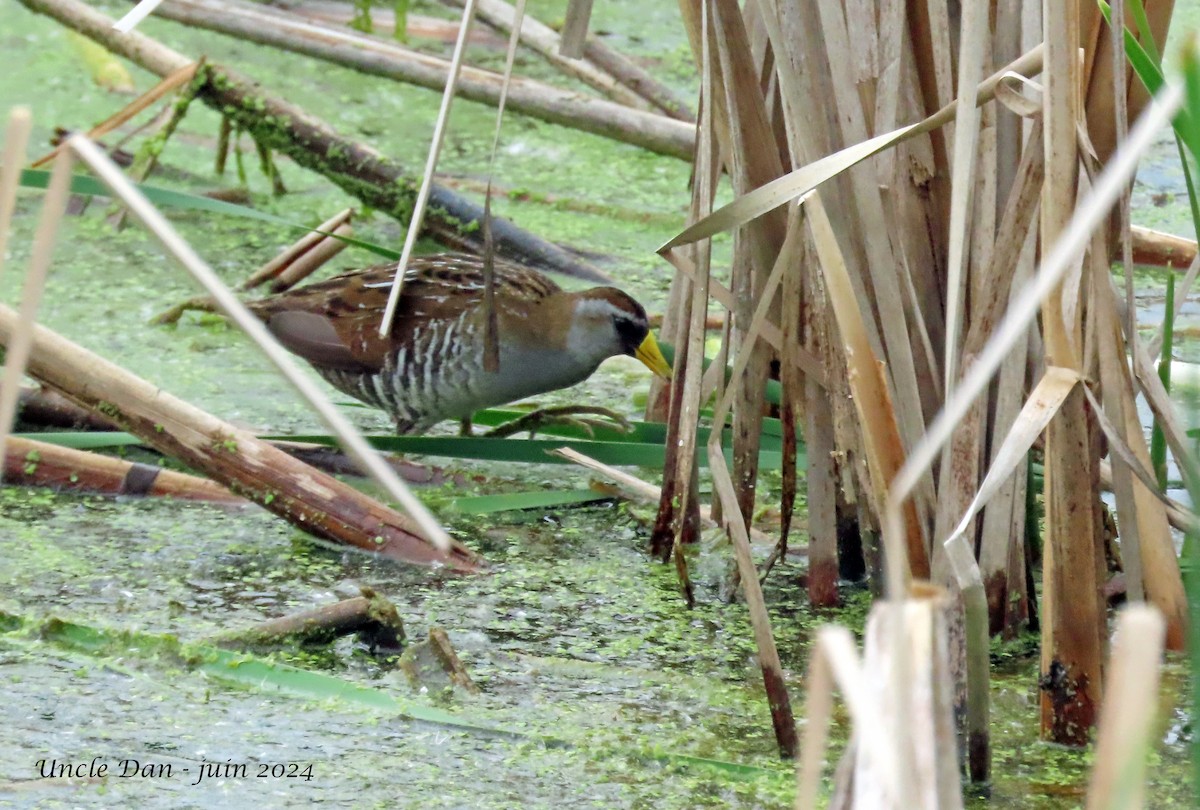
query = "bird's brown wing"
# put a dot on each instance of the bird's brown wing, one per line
(335, 323)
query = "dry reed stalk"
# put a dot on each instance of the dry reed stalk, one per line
(754, 160)
(435, 150)
(882, 285)
(351, 440)
(1145, 521)
(975, 607)
(1072, 633)
(1127, 718)
(17, 347)
(180, 77)
(971, 57)
(877, 419)
(139, 12)
(962, 459)
(835, 662)
(575, 28)
(1101, 110)
(643, 490)
(16, 138)
(1114, 387)
(300, 247)
(680, 491)
(760, 619)
(1002, 536)
(544, 41)
(28, 462)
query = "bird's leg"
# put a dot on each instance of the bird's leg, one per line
(464, 426)
(561, 415)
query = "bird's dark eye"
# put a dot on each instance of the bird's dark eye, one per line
(631, 332)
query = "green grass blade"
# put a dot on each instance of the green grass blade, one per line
(166, 198)
(1158, 439)
(536, 499)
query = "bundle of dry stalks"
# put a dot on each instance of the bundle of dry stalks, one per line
(914, 279)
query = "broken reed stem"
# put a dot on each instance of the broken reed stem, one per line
(16, 138)
(302, 245)
(1128, 716)
(28, 462)
(544, 40)
(643, 490)
(975, 607)
(760, 620)
(350, 439)
(575, 28)
(313, 260)
(54, 205)
(435, 150)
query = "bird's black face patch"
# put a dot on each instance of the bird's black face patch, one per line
(631, 330)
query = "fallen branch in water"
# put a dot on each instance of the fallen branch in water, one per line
(311, 500)
(39, 464)
(356, 168)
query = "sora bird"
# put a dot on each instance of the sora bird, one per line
(431, 367)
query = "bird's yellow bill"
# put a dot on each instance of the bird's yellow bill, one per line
(652, 357)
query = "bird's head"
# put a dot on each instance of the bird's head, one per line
(607, 322)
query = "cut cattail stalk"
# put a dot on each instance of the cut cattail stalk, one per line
(575, 28)
(32, 463)
(313, 501)
(1162, 249)
(353, 442)
(908, 640)
(302, 246)
(16, 137)
(643, 490)
(1128, 716)
(313, 260)
(975, 607)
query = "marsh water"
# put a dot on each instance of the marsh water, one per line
(599, 688)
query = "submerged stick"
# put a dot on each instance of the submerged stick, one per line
(358, 169)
